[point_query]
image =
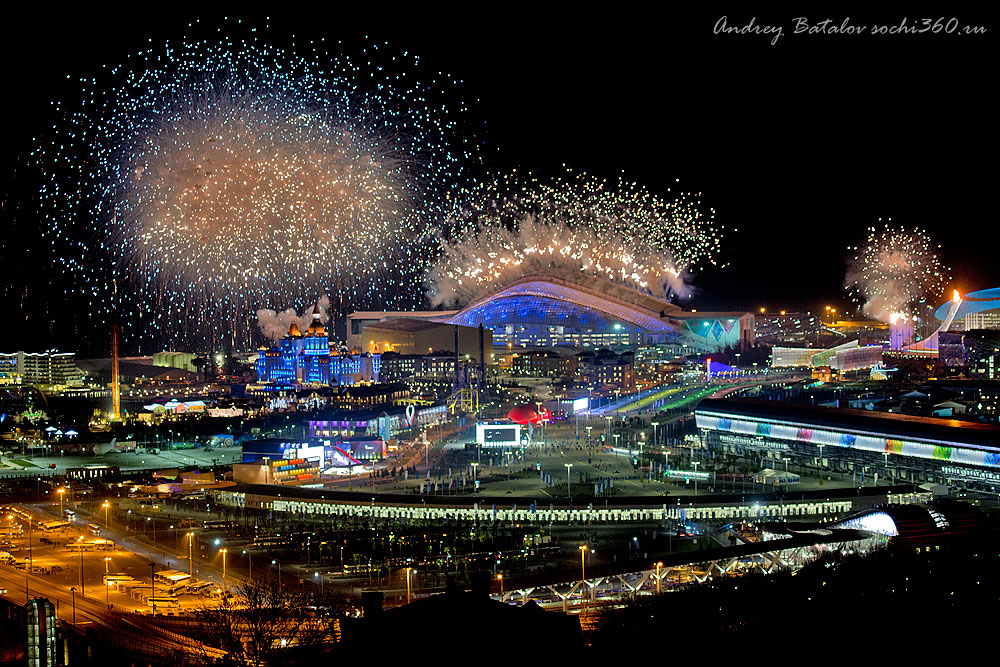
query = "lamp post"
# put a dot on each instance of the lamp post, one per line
(250, 561)
(583, 575)
(655, 424)
(695, 464)
(79, 545)
(569, 482)
(278, 566)
(190, 537)
(152, 587)
(72, 592)
(500, 577)
(224, 552)
(61, 491)
(658, 566)
(107, 522)
(30, 561)
(408, 585)
(107, 599)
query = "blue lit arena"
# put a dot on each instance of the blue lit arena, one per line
(553, 307)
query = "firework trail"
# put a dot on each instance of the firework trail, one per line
(892, 270)
(204, 180)
(619, 231)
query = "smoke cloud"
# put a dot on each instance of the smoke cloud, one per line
(275, 325)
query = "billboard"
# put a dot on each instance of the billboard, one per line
(498, 435)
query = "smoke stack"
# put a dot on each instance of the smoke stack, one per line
(116, 390)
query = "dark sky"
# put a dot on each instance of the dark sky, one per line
(799, 145)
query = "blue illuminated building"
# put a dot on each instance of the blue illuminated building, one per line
(305, 359)
(554, 307)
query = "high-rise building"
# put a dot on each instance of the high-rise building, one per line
(49, 368)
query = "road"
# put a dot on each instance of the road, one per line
(122, 629)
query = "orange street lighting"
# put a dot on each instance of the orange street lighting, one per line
(658, 566)
(190, 537)
(224, 552)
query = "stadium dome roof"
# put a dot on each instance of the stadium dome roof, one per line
(577, 292)
(973, 302)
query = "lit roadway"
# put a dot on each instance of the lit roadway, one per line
(93, 612)
(93, 609)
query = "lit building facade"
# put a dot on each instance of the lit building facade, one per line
(305, 359)
(48, 368)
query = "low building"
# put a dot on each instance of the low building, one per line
(419, 336)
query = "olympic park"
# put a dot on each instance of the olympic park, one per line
(847, 461)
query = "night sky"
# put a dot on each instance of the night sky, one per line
(800, 145)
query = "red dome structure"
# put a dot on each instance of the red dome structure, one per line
(528, 414)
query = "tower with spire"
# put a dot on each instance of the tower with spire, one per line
(305, 359)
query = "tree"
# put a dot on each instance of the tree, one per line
(262, 624)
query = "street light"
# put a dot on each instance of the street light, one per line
(79, 545)
(107, 522)
(224, 552)
(500, 577)
(190, 537)
(569, 482)
(583, 575)
(152, 587)
(30, 562)
(408, 585)
(72, 591)
(658, 566)
(107, 584)
(61, 491)
(250, 561)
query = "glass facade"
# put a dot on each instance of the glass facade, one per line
(534, 321)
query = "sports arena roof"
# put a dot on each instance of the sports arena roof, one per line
(579, 290)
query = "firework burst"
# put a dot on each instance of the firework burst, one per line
(894, 267)
(204, 180)
(620, 231)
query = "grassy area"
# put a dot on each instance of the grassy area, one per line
(23, 463)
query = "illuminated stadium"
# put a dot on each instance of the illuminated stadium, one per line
(901, 447)
(553, 307)
(973, 303)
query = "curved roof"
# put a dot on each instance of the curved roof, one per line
(973, 302)
(974, 434)
(916, 522)
(597, 294)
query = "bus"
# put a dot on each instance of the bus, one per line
(216, 524)
(49, 526)
(164, 602)
(91, 545)
(112, 579)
